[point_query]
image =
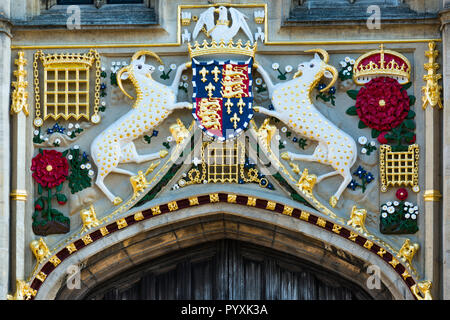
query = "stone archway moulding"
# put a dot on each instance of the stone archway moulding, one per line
(49, 274)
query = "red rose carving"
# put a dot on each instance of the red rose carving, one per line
(382, 104)
(401, 194)
(50, 168)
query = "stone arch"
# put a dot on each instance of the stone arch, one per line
(205, 218)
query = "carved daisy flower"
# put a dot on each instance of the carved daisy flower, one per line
(91, 172)
(275, 66)
(362, 140)
(184, 77)
(173, 66)
(288, 68)
(384, 214)
(391, 210)
(161, 68)
(169, 138)
(258, 81)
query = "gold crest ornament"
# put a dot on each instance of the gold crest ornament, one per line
(358, 219)
(407, 251)
(307, 181)
(20, 94)
(89, 218)
(422, 290)
(138, 182)
(379, 63)
(39, 249)
(23, 291)
(432, 90)
(179, 131)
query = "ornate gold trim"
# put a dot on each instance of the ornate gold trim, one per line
(432, 90)
(213, 48)
(20, 94)
(389, 68)
(432, 195)
(19, 195)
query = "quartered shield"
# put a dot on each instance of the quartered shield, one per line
(222, 97)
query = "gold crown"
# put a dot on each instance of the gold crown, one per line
(64, 58)
(381, 63)
(214, 48)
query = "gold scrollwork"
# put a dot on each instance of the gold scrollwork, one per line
(89, 218)
(39, 249)
(407, 251)
(357, 219)
(20, 94)
(432, 90)
(422, 290)
(23, 291)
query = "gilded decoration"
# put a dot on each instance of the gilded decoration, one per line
(215, 88)
(20, 93)
(399, 168)
(381, 62)
(66, 86)
(432, 90)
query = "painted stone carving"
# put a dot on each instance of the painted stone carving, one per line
(399, 217)
(154, 103)
(335, 147)
(220, 30)
(50, 169)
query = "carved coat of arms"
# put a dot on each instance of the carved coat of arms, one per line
(222, 97)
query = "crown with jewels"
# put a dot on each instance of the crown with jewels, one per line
(68, 58)
(213, 48)
(381, 62)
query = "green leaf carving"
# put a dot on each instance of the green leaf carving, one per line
(351, 111)
(353, 94)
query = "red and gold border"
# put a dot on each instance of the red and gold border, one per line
(87, 239)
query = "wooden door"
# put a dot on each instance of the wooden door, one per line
(228, 269)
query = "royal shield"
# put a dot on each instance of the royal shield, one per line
(222, 97)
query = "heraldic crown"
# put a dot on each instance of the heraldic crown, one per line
(381, 63)
(63, 58)
(206, 49)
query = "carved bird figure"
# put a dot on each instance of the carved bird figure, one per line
(221, 30)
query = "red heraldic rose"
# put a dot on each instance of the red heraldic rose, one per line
(382, 104)
(50, 168)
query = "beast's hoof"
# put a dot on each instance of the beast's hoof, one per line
(163, 153)
(117, 201)
(333, 201)
(285, 156)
